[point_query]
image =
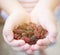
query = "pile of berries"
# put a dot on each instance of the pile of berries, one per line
(30, 33)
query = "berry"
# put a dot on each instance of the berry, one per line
(27, 40)
(30, 33)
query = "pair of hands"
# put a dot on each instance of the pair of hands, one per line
(41, 16)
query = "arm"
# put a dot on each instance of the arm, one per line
(11, 6)
(17, 15)
(48, 4)
(43, 14)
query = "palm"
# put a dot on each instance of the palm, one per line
(9, 27)
(46, 19)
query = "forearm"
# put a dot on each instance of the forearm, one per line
(16, 18)
(11, 6)
(48, 4)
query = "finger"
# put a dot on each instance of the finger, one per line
(26, 46)
(8, 35)
(7, 31)
(18, 48)
(29, 51)
(35, 47)
(52, 37)
(43, 42)
(52, 32)
(43, 47)
(17, 43)
(21, 48)
(9, 38)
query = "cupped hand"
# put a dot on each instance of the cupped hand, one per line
(43, 17)
(46, 19)
(13, 21)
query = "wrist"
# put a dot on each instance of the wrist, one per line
(48, 4)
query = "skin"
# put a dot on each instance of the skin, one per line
(41, 14)
(19, 16)
(44, 14)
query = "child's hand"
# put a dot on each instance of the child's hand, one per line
(45, 18)
(13, 21)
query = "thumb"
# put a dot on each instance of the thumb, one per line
(51, 36)
(8, 35)
(52, 33)
(50, 39)
(7, 31)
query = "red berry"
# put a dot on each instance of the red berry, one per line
(23, 34)
(30, 33)
(36, 33)
(15, 36)
(27, 40)
(18, 31)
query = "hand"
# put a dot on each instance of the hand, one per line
(13, 21)
(44, 17)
